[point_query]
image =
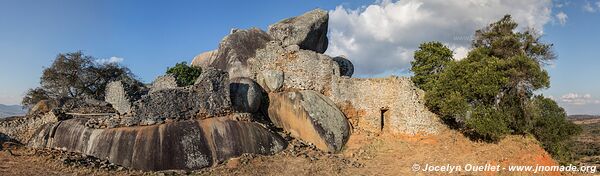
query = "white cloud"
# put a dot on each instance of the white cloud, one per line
(112, 59)
(382, 37)
(578, 99)
(589, 8)
(562, 18)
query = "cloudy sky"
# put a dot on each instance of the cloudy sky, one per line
(378, 36)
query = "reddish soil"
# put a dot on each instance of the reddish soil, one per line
(364, 155)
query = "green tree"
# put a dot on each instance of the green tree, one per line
(430, 60)
(77, 76)
(490, 93)
(184, 74)
(552, 128)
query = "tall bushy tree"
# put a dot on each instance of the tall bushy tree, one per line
(77, 76)
(430, 60)
(490, 93)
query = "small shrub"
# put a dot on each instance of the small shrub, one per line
(184, 74)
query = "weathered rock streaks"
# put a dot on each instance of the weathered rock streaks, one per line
(190, 144)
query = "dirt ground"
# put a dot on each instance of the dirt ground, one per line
(364, 154)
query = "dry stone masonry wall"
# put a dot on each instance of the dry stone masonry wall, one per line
(391, 104)
(23, 128)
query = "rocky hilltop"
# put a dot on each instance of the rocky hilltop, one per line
(258, 91)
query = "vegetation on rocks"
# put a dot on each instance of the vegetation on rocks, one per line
(490, 93)
(184, 74)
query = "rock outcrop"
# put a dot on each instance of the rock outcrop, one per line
(184, 145)
(310, 116)
(205, 59)
(235, 50)
(246, 95)
(309, 31)
(254, 80)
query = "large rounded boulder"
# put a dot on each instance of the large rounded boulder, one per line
(309, 31)
(346, 66)
(245, 94)
(311, 117)
(204, 59)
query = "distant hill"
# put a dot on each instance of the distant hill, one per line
(583, 117)
(11, 110)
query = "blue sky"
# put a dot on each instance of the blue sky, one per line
(149, 36)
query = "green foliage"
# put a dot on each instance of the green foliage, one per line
(489, 94)
(184, 74)
(76, 76)
(430, 60)
(552, 128)
(487, 123)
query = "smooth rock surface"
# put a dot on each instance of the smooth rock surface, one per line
(236, 48)
(309, 31)
(245, 94)
(184, 145)
(203, 60)
(311, 117)
(346, 66)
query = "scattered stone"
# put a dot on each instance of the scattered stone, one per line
(309, 31)
(245, 94)
(311, 117)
